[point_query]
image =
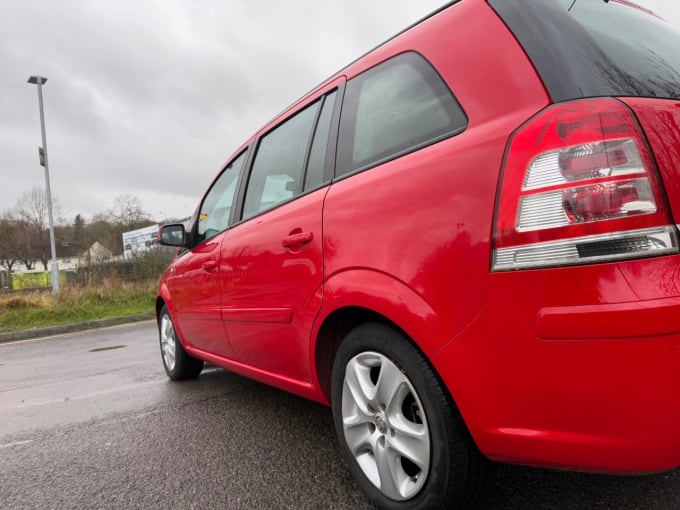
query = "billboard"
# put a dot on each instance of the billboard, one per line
(140, 240)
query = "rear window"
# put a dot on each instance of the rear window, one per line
(590, 48)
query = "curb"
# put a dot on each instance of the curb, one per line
(71, 328)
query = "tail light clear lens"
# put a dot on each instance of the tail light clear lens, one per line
(579, 185)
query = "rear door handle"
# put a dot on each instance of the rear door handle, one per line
(297, 239)
(209, 265)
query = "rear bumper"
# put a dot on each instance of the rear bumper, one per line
(542, 379)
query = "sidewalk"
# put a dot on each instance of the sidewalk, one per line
(70, 328)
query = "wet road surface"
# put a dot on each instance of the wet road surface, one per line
(90, 420)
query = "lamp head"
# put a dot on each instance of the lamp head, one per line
(35, 80)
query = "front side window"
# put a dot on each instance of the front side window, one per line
(278, 167)
(216, 208)
(394, 108)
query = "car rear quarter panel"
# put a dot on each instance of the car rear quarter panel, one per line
(425, 219)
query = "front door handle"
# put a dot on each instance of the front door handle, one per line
(209, 266)
(297, 239)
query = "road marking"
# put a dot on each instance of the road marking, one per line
(109, 348)
(124, 388)
(75, 333)
(17, 443)
(139, 416)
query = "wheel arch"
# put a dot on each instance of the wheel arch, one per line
(332, 332)
(358, 296)
(163, 299)
(160, 303)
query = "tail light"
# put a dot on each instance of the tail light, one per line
(579, 185)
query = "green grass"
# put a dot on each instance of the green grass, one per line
(35, 310)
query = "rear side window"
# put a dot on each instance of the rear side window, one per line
(392, 109)
(590, 48)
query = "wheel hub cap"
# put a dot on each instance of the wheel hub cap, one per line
(385, 425)
(381, 423)
(167, 332)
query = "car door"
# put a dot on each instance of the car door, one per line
(272, 261)
(194, 282)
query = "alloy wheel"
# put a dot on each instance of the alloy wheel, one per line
(385, 426)
(168, 345)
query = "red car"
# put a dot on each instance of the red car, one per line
(465, 243)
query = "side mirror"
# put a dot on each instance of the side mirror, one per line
(172, 235)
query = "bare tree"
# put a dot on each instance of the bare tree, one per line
(14, 242)
(32, 207)
(32, 210)
(128, 212)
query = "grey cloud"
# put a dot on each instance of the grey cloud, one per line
(151, 97)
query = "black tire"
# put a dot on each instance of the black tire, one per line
(454, 475)
(178, 364)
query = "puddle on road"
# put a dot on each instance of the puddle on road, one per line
(100, 349)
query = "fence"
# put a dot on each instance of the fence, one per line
(145, 266)
(39, 279)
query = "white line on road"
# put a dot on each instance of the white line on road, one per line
(123, 388)
(75, 333)
(16, 443)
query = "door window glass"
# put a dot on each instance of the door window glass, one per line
(278, 166)
(317, 157)
(216, 208)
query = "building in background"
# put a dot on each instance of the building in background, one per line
(97, 253)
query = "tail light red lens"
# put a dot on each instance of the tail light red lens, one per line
(576, 174)
(608, 200)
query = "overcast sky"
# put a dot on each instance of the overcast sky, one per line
(149, 97)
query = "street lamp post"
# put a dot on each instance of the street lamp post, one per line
(39, 80)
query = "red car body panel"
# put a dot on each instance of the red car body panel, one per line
(574, 367)
(660, 119)
(600, 397)
(196, 300)
(269, 290)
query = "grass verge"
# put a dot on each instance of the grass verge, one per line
(73, 304)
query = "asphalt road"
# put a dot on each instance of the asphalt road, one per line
(89, 420)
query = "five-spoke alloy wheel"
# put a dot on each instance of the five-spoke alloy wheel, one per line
(385, 426)
(178, 364)
(400, 432)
